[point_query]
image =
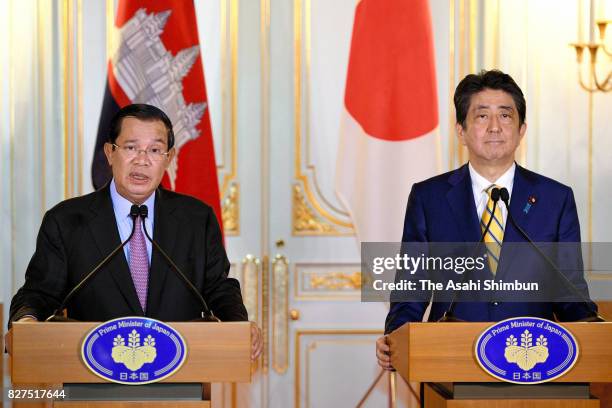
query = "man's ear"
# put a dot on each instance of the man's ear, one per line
(460, 133)
(523, 130)
(171, 154)
(108, 152)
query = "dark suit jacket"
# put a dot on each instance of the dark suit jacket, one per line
(442, 209)
(78, 233)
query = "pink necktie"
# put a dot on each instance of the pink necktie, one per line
(139, 264)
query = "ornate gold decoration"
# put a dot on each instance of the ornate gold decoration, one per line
(68, 64)
(265, 309)
(596, 48)
(336, 280)
(264, 41)
(305, 220)
(71, 15)
(230, 211)
(43, 13)
(79, 95)
(280, 314)
(233, 81)
(328, 281)
(250, 286)
(302, 36)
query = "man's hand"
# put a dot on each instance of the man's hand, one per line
(8, 338)
(383, 353)
(256, 341)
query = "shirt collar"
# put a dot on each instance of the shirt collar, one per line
(479, 183)
(122, 205)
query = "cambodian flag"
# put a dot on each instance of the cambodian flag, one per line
(157, 61)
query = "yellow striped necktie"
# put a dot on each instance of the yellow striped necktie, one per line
(495, 235)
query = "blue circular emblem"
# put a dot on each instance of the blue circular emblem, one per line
(526, 350)
(133, 350)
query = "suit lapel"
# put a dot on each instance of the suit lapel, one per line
(461, 200)
(165, 233)
(523, 187)
(108, 239)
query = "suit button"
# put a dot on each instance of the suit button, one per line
(495, 303)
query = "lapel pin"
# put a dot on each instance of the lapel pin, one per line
(530, 201)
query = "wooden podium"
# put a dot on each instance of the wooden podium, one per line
(48, 355)
(442, 355)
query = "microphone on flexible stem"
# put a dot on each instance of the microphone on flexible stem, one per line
(57, 315)
(594, 317)
(207, 314)
(448, 315)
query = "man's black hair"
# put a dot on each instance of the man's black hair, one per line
(142, 112)
(493, 79)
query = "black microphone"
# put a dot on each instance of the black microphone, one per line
(448, 314)
(57, 316)
(207, 314)
(595, 317)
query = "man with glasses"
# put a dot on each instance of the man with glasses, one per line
(78, 233)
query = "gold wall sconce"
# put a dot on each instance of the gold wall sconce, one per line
(598, 53)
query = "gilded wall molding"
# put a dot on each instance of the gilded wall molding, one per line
(280, 314)
(72, 68)
(265, 313)
(232, 104)
(43, 13)
(67, 47)
(249, 276)
(328, 219)
(305, 219)
(79, 96)
(327, 281)
(264, 37)
(336, 281)
(230, 210)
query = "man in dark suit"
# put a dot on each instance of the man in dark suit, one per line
(78, 233)
(452, 207)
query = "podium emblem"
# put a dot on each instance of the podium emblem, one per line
(134, 356)
(526, 355)
(133, 350)
(526, 350)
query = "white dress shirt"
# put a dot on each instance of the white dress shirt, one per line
(121, 207)
(480, 185)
